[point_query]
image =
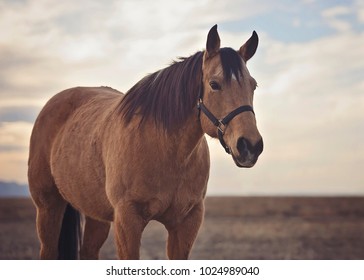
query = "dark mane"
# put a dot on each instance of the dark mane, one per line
(167, 96)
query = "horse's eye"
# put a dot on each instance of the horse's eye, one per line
(215, 85)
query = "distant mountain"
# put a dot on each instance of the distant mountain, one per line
(11, 189)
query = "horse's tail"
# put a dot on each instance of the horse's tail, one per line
(70, 237)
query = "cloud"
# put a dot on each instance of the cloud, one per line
(359, 8)
(14, 145)
(15, 135)
(333, 15)
(47, 46)
(14, 166)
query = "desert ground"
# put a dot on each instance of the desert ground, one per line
(234, 228)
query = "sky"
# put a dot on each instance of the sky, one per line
(309, 67)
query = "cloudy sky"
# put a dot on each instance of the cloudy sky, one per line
(309, 67)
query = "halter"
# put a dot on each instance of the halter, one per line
(221, 124)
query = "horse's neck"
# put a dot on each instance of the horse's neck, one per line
(186, 139)
(180, 143)
(177, 144)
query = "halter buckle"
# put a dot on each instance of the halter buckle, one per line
(221, 127)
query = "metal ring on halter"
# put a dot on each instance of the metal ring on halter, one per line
(219, 127)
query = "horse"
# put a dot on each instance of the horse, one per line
(127, 159)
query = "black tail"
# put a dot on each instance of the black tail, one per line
(70, 237)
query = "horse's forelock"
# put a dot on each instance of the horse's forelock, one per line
(231, 64)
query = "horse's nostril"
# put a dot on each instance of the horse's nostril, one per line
(243, 145)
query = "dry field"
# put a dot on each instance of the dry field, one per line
(234, 228)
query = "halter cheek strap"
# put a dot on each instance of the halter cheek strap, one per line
(221, 124)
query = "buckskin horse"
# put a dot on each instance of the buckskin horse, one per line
(142, 156)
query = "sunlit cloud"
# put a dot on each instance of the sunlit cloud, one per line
(15, 135)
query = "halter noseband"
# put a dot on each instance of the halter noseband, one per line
(221, 124)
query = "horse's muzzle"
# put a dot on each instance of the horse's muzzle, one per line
(248, 153)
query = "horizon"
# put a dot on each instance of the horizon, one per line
(308, 67)
(19, 190)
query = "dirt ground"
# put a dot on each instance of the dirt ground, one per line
(234, 228)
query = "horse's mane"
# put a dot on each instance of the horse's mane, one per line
(169, 95)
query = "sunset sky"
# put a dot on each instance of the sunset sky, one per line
(309, 67)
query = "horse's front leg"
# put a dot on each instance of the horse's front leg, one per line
(128, 226)
(182, 236)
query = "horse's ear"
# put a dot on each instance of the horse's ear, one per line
(213, 42)
(248, 49)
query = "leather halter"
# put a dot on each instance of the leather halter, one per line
(221, 124)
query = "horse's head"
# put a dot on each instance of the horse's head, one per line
(226, 101)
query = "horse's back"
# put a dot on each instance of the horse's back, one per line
(50, 123)
(62, 105)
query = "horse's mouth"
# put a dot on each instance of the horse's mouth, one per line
(246, 162)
